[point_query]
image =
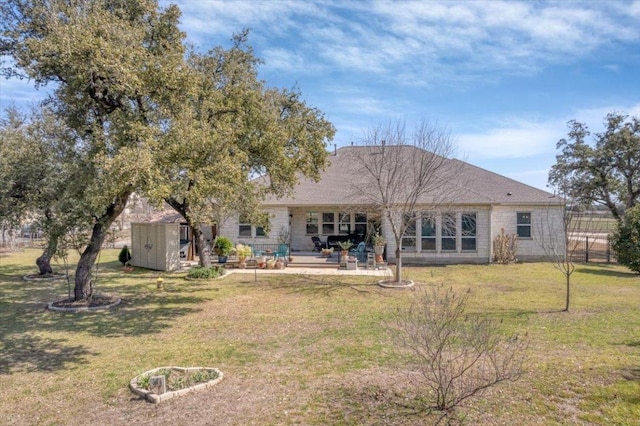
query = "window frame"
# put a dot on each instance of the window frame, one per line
(470, 235)
(433, 238)
(524, 225)
(312, 219)
(446, 236)
(331, 223)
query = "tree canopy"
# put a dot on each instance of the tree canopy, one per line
(604, 170)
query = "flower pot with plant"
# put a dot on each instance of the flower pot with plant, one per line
(345, 246)
(243, 252)
(223, 247)
(378, 246)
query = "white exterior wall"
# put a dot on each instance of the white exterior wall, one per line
(546, 228)
(278, 220)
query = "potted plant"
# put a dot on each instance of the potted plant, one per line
(243, 253)
(223, 247)
(378, 246)
(345, 246)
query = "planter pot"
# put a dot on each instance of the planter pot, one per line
(379, 251)
(222, 259)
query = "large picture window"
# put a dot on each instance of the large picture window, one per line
(523, 222)
(448, 232)
(409, 238)
(312, 223)
(469, 231)
(428, 233)
(360, 224)
(328, 223)
(345, 224)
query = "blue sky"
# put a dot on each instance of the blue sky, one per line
(503, 77)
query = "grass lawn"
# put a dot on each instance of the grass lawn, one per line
(309, 350)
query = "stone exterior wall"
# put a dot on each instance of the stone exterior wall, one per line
(546, 228)
(278, 221)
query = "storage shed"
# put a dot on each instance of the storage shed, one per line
(155, 246)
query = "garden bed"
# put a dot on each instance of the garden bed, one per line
(178, 381)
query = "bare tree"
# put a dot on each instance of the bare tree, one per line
(403, 174)
(452, 354)
(560, 231)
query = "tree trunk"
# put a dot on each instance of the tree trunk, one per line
(568, 276)
(83, 285)
(196, 230)
(44, 261)
(201, 245)
(398, 264)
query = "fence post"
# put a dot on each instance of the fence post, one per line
(586, 250)
(608, 248)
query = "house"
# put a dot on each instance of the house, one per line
(460, 230)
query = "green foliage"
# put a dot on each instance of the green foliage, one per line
(605, 172)
(243, 250)
(124, 256)
(345, 245)
(200, 272)
(626, 240)
(505, 247)
(223, 246)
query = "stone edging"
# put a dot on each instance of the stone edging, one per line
(39, 278)
(155, 398)
(390, 284)
(82, 308)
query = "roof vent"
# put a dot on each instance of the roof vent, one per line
(509, 194)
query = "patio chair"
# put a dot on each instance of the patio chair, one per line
(360, 252)
(283, 251)
(318, 245)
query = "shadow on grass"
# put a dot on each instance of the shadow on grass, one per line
(23, 316)
(26, 353)
(631, 374)
(605, 270)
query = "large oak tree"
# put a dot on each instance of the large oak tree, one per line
(230, 130)
(604, 170)
(114, 67)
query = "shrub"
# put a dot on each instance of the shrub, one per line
(453, 355)
(505, 247)
(205, 273)
(125, 256)
(626, 240)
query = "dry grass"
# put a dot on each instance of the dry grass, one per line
(309, 350)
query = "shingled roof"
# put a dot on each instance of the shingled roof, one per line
(472, 185)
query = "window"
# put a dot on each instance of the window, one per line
(448, 230)
(469, 231)
(328, 223)
(312, 223)
(523, 223)
(244, 228)
(361, 224)
(428, 233)
(409, 238)
(345, 224)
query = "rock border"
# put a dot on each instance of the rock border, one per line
(392, 284)
(83, 308)
(31, 278)
(155, 398)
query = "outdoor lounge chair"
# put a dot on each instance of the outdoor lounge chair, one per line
(318, 245)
